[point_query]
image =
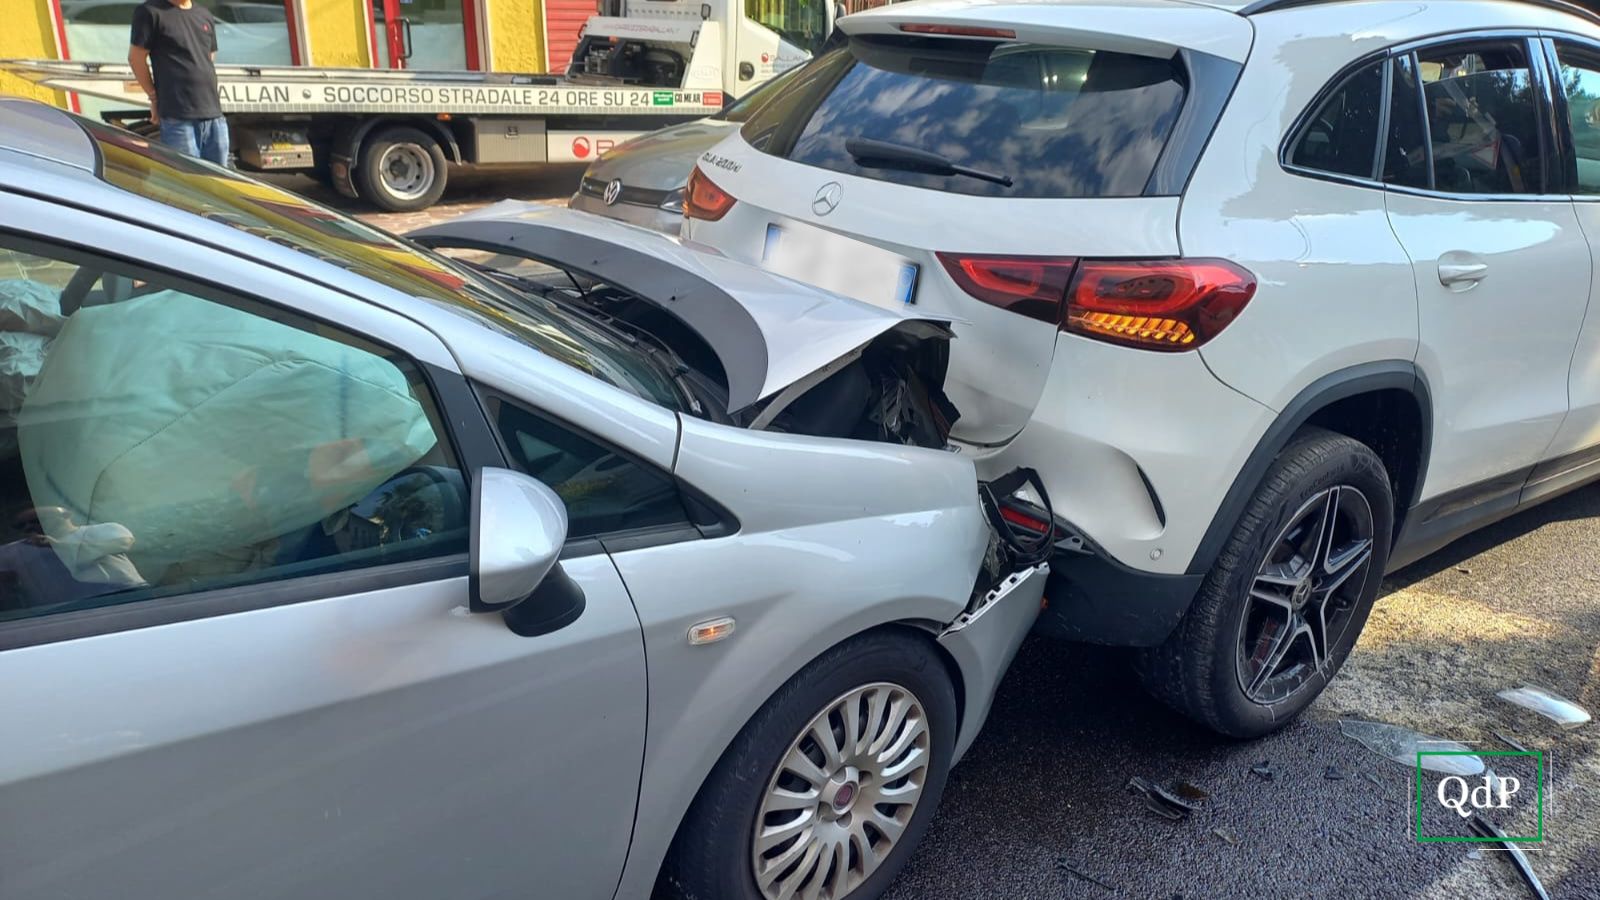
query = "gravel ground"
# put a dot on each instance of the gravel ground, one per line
(1046, 782)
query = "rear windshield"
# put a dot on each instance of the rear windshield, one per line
(1054, 121)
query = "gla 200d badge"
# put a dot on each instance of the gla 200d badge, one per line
(827, 199)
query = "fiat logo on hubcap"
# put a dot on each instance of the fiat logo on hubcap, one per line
(843, 796)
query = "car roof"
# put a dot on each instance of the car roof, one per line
(1222, 28)
(1117, 25)
(45, 152)
(996, 8)
(44, 133)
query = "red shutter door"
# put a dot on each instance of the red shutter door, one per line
(562, 19)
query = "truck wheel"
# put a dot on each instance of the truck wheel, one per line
(1282, 607)
(401, 169)
(831, 784)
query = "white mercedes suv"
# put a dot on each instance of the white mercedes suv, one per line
(1276, 296)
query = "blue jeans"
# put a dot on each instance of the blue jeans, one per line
(205, 138)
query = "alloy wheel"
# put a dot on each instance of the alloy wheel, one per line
(1305, 594)
(843, 795)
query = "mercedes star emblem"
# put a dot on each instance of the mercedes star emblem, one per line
(827, 199)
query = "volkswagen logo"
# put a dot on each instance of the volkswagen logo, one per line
(613, 192)
(827, 199)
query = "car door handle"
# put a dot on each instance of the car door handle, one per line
(1462, 273)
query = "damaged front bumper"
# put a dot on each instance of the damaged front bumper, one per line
(985, 639)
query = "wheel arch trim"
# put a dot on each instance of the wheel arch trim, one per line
(1398, 374)
(348, 140)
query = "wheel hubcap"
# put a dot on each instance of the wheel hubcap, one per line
(407, 170)
(1305, 595)
(843, 795)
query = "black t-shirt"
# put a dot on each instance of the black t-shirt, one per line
(180, 42)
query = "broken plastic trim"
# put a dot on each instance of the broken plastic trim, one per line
(1487, 829)
(992, 597)
(1161, 801)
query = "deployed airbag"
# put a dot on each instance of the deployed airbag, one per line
(201, 429)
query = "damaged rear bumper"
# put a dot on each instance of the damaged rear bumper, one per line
(1097, 600)
(984, 641)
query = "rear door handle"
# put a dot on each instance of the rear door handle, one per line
(1462, 273)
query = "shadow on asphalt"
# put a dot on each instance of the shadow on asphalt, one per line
(1579, 504)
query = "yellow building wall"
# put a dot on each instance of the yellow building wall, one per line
(28, 34)
(515, 31)
(337, 31)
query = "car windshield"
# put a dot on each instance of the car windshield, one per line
(1057, 121)
(149, 170)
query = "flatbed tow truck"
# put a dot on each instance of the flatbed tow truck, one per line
(390, 136)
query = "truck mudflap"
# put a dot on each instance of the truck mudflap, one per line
(1008, 594)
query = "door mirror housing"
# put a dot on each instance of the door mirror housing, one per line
(518, 528)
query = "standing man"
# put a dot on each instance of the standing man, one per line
(179, 40)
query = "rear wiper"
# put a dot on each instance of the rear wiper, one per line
(882, 154)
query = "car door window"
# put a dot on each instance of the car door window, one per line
(159, 438)
(1580, 82)
(1482, 118)
(605, 491)
(1341, 135)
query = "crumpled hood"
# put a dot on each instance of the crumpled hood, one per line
(661, 160)
(768, 331)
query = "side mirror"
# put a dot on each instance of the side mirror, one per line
(518, 528)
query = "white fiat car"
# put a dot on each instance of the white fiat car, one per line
(1276, 296)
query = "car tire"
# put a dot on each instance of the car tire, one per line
(401, 169)
(1250, 654)
(714, 856)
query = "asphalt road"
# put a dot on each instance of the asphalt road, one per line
(1045, 786)
(1046, 781)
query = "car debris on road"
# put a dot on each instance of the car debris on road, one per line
(1487, 829)
(1549, 704)
(1161, 801)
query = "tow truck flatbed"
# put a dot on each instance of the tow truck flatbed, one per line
(391, 136)
(264, 89)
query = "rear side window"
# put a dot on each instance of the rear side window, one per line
(1483, 120)
(1052, 121)
(1341, 136)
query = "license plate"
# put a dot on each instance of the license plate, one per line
(845, 266)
